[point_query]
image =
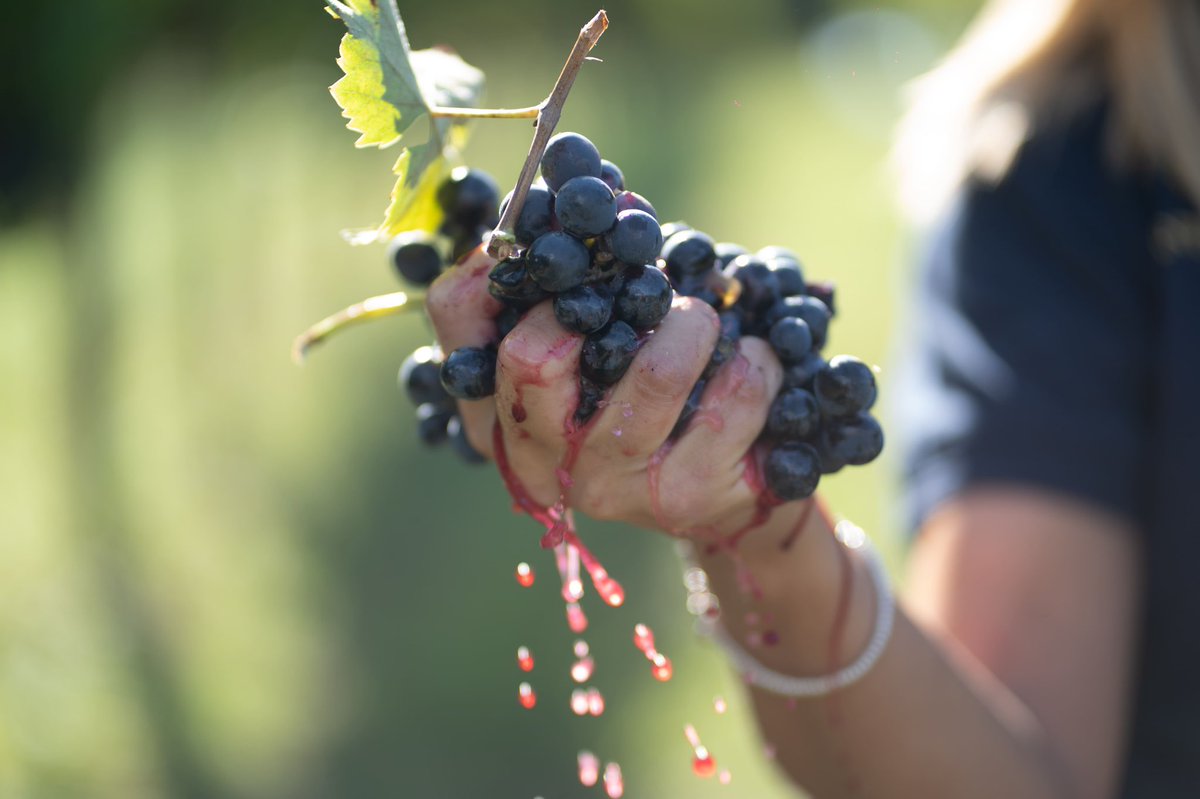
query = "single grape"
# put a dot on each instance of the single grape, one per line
(611, 174)
(690, 406)
(536, 217)
(791, 339)
(826, 292)
(632, 201)
(583, 309)
(856, 441)
(727, 251)
(558, 261)
(636, 238)
(469, 373)
(416, 256)
(469, 198)
(845, 387)
(689, 254)
(793, 471)
(645, 297)
(510, 282)
(585, 206)
(801, 375)
(810, 309)
(607, 354)
(432, 419)
(760, 286)
(569, 155)
(419, 374)
(458, 440)
(787, 270)
(794, 415)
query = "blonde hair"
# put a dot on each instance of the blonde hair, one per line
(1026, 63)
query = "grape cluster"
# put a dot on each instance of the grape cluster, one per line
(469, 200)
(597, 251)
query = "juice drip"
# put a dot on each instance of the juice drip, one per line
(525, 575)
(595, 702)
(576, 620)
(614, 783)
(526, 696)
(582, 669)
(660, 664)
(703, 765)
(524, 659)
(653, 473)
(609, 589)
(589, 769)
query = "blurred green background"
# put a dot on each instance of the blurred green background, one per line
(225, 576)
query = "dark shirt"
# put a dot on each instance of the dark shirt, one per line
(1057, 345)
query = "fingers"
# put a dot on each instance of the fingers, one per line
(645, 404)
(536, 389)
(463, 315)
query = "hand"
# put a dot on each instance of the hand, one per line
(626, 469)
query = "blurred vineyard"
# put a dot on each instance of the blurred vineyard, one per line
(225, 576)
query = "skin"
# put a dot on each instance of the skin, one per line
(1009, 669)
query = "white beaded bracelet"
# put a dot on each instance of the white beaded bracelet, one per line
(758, 675)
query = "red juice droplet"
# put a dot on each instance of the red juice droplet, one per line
(614, 782)
(608, 588)
(595, 702)
(719, 705)
(525, 575)
(589, 769)
(582, 670)
(582, 649)
(725, 777)
(526, 696)
(703, 766)
(576, 619)
(661, 667)
(579, 702)
(643, 637)
(524, 659)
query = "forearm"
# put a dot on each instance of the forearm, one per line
(921, 723)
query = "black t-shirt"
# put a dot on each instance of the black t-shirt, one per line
(1056, 334)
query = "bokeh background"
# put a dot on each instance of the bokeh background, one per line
(222, 575)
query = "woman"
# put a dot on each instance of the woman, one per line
(1048, 640)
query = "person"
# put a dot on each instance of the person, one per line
(1047, 642)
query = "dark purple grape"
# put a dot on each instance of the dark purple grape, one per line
(611, 174)
(855, 441)
(632, 201)
(731, 324)
(845, 387)
(583, 309)
(585, 207)
(419, 375)
(510, 282)
(793, 471)
(569, 155)
(469, 199)
(469, 373)
(690, 406)
(607, 354)
(432, 419)
(458, 440)
(416, 257)
(464, 241)
(536, 217)
(810, 309)
(671, 228)
(727, 251)
(636, 238)
(508, 318)
(787, 270)
(794, 415)
(723, 353)
(558, 261)
(760, 286)
(826, 292)
(645, 297)
(689, 254)
(791, 339)
(801, 375)
(590, 395)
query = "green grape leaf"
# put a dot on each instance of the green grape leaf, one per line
(386, 89)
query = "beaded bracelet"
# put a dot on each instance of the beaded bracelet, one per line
(759, 676)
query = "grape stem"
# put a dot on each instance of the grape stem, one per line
(502, 243)
(445, 112)
(370, 308)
